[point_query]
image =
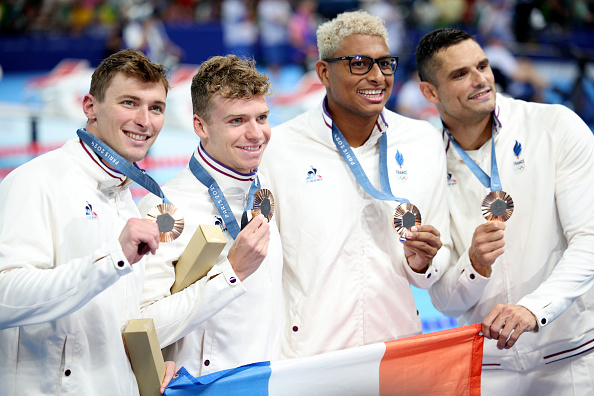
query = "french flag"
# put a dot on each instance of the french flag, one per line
(441, 363)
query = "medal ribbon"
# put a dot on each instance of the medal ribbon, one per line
(492, 182)
(349, 156)
(120, 164)
(219, 198)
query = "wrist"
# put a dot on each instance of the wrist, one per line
(422, 270)
(483, 270)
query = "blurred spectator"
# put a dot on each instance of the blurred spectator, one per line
(146, 32)
(495, 18)
(425, 14)
(582, 13)
(450, 11)
(529, 19)
(390, 12)
(82, 14)
(302, 34)
(517, 77)
(180, 12)
(411, 103)
(240, 32)
(273, 20)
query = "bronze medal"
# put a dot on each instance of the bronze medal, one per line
(497, 205)
(406, 216)
(263, 203)
(169, 220)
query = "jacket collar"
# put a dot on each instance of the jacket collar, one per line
(106, 177)
(224, 176)
(380, 127)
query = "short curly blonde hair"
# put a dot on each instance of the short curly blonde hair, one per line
(229, 76)
(331, 33)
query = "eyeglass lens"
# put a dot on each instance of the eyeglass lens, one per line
(362, 64)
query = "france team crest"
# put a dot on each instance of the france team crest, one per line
(401, 172)
(519, 162)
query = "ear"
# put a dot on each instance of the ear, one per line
(88, 105)
(323, 72)
(429, 92)
(200, 128)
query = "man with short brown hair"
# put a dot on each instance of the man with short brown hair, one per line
(70, 271)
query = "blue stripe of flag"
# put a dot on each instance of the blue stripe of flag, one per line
(248, 380)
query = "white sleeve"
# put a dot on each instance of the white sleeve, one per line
(176, 315)
(32, 288)
(574, 192)
(438, 216)
(459, 288)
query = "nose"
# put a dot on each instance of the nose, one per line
(142, 117)
(253, 130)
(479, 78)
(375, 74)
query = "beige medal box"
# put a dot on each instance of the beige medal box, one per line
(199, 256)
(140, 339)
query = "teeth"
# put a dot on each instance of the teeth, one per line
(135, 136)
(371, 93)
(251, 148)
(477, 95)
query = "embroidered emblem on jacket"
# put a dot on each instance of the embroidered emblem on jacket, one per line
(89, 212)
(520, 163)
(451, 180)
(312, 176)
(219, 221)
(401, 174)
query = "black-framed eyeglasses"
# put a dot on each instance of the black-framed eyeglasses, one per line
(361, 64)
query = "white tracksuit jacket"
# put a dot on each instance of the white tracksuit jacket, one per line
(346, 281)
(548, 264)
(64, 299)
(219, 323)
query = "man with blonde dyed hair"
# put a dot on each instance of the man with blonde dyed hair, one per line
(336, 173)
(231, 316)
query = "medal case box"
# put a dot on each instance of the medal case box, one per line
(199, 256)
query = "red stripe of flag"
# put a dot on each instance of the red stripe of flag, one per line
(444, 363)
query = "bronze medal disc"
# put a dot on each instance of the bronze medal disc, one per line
(169, 220)
(497, 205)
(263, 203)
(406, 216)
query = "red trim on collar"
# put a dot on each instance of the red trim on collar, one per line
(207, 162)
(99, 163)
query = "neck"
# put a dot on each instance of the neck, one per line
(356, 130)
(471, 136)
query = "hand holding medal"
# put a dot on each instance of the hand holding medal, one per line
(406, 216)
(169, 220)
(263, 204)
(497, 206)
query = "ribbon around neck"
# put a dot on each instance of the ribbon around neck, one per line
(113, 159)
(349, 156)
(218, 197)
(493, 182)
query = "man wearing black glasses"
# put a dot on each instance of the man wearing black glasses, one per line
(345, 175)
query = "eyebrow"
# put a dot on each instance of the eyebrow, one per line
(461, 69)
(138, 98)
(231, 115)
